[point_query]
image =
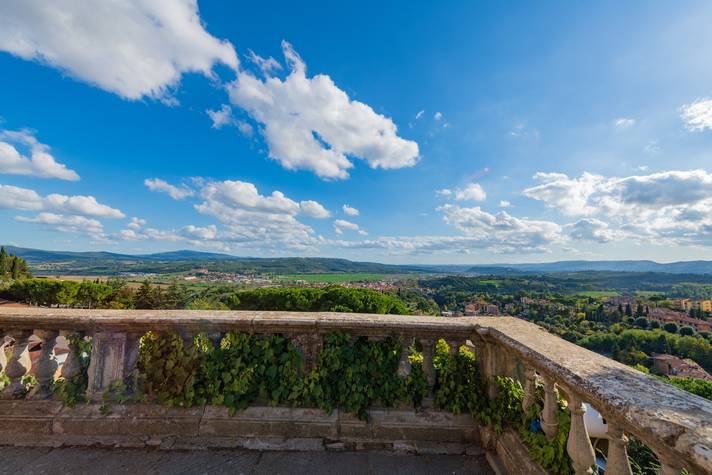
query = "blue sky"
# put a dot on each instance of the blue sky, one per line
(411, 132)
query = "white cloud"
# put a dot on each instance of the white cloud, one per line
(592, 229)
(419, 114)
(697, 115)
(68, 224)
(258, 221)
(223, 117)
(673, 206)
(203, 233)
(504, 204)
(136, 223)
(309, 123)
(161, 186)
(13, 197)
(624, 122)
(472, 192)
(313, 209)
(340, 225)
(133, 48)
(502, 232)
(350, 210)
(266, 65)
(438, 115)
(40, 162)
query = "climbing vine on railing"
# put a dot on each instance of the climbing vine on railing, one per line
(353, 375)
(72, 390)
(461, 388)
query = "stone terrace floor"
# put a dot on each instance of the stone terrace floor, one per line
(22, 460)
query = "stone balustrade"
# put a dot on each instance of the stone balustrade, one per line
(676, 425)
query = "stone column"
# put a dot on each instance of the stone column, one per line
(529, 390)
(579, 445)
(3, 357)
(18, 365)
(46, 365)
(108, 362)
(309, 345)
(428, 368)
(548, 415)
(617, 462)
(454, 346)
(404, 364)
(72, 364)
(489, 367)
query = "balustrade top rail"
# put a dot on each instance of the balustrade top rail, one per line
(675, 424)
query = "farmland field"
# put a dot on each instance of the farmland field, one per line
(335, 278)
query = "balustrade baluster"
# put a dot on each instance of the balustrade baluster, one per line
(529, 390)
(72, 364)
(18, 365)
(579, 445)
(428, 368)
(404, 364)
(454, 347)
(309, 345)
(617, 462)
(548, 415)
(46, 365)
(3, 357)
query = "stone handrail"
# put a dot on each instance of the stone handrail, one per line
(676, 425)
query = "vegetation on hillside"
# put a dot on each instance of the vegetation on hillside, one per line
(12, 267)
(116, 294)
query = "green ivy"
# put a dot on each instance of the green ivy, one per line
(72, 390)
(353, 375)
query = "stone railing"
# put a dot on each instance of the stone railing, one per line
(676, 425)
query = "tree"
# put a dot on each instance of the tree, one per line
(144, 296)
(687, 331)
(641, 322)
(14, 269)
(628, 310)
(3, 262)
(654, 324)
(670, 327)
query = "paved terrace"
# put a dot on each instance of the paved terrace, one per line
(676, 425)
(98, 461)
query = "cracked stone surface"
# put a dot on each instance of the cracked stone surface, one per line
(97, 461)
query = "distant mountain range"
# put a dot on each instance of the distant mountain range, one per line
(108, 263)
(683, 267)
(95, 263)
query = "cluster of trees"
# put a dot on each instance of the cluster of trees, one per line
(116, 294)
(12, 267)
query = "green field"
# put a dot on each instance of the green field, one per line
(599, 293)
(335, 278)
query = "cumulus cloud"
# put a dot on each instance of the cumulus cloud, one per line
(39, 163)
(472, 192)
(341, 225)
(624, 122)
(223, 117)
(311, 124)
(13, 197)
(266, 65)
(134, 48)
(350, 210)
(504, 204)
(592, 229)
(253, 219)
(313, 209)
(161, 186)
(502, 232)
(675, 206)
(68, 224)
(697, 115)
(438, 115)
(136, 223)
